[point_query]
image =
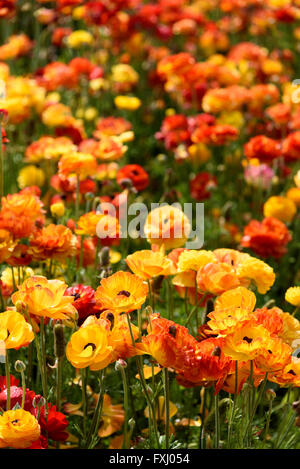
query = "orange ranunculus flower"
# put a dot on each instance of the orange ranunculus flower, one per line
(231, 308)
(168, 342)
(7, 245)
(167, 225)
(15, 332)
(43, 297)
(275, 357)
(148, 264)
(48, 148)
(271, 319)
(53, 242)
(247, 341)
(217, 278)
(112, 417)
(280, 207)
(122, 292)
(18, 429)
(89, 346)
(87, 223)
(239, 297)
(109, 149)
(20, 213)
(81, 164)
(289, 375)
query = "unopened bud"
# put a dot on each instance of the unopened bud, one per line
(148, 310)
(131, 424)
(126, 183)
(19, 306)
(59, 341)
(104, 257)
(270, 394)
(120, 364)
(20, 366)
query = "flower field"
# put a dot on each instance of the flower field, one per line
(149, 224)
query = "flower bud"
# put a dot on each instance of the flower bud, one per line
(20, 366)
(104, 257)
(59, 341)
(120, 364)
(270, 394)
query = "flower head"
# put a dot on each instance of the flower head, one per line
(122, 292)
(18, 429)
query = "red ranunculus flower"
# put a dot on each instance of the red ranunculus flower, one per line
(267, 238)
(138, 176)
(200, 185)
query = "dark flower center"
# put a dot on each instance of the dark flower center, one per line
(247, 339)
(14, 422)
(216, 352)
(76, 296)
(90, 344)
(111, 319)
(172, 331)
(124, 293)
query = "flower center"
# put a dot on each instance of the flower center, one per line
(124, 293)
(90, 344)
(172, 331)
(14, 422)
(247, 339)
(216, 352)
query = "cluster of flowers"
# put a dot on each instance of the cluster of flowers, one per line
(105, 103)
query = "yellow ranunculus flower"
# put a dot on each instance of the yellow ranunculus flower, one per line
(45, 298)
(129, 103)
(18, 429)
(124, 73)
(148, 264)
(167, 225)
(79, 38)
(89, 347)
(280, 207)
(15, 332)
(259, 272)
(194, 260)
(292, 296)
(31, 176)
(57, 209)
(294, 195)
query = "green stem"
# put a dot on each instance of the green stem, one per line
(167, 405)
(234, 404)
(126, 407)
(44, 363)
(97, 414)
(58, 383)
(77, 198)
(217, 421)
(84, 400)
(7, 373)
(23, 389)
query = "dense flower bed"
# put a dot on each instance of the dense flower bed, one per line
(169, 329)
